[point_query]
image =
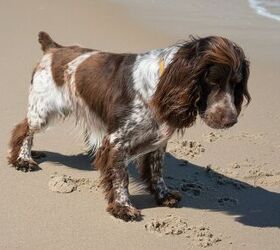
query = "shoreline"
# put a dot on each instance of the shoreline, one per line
(264, 11)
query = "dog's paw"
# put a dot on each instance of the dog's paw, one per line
(26, 165)
(170, 199)
(126, 213)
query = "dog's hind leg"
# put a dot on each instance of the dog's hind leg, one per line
(20, 155)
(20, 147)
(46, 101)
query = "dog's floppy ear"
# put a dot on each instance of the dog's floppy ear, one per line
(178, 90)
(241, 90)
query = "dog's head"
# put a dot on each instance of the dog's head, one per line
(208, 76)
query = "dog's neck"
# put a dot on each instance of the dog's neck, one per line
(148, 68)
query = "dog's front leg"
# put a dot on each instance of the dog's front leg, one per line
(151, 170)
(111, 160)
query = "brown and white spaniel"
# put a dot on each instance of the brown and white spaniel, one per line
(129, 105)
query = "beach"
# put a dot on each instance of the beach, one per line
(230, 179)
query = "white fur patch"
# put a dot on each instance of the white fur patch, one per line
(146, 70)
(46, 99)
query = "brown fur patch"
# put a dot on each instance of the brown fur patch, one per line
(104, 161)
(61, 57)
(104, 82)
(19, 133)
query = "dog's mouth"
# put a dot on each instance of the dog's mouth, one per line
(209, 121)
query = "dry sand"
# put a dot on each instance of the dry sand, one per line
(230, 180)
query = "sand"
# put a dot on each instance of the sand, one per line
(230, 180)
(200, 235)
(68, 184)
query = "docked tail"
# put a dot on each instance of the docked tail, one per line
(46, 41)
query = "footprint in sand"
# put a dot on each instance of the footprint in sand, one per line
(68, 184)
(62, 184)
(185, 148)
(263, 177)
(174, 226)
(223, 180)
(191, 188)
(169, 225)
(212, 137)
(227, 202)
(192, 148)
(203, 236)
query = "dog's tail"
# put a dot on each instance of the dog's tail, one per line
(46, 41)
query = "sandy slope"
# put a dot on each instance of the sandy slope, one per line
(236, 199)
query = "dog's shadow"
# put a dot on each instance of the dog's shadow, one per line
(202, 189)
(80, 161)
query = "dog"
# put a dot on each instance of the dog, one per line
(129, 105)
